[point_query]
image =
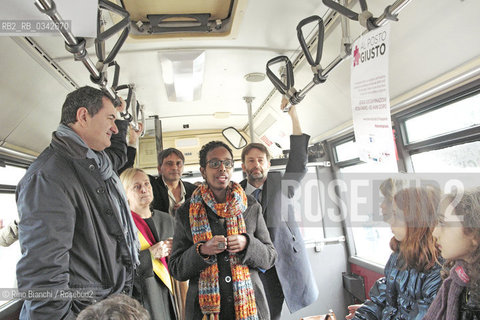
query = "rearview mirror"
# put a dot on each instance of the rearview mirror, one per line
(234, 137)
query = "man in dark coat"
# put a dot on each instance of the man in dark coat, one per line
(291, 279)
(169, 191)
(78, 241)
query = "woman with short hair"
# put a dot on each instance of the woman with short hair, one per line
(220, 244)
(152, 283)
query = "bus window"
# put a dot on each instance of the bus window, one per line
(458, 158)
(370, 239)
(9, 178)
(451, 145)
(346, 151)
(459, 115)
(10, 175)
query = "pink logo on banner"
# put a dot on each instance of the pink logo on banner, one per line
(356, 56)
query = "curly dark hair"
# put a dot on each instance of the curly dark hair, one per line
(209, 147)
(469, 208)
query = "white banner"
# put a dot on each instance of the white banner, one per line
(371, 99)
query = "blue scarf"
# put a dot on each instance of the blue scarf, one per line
(115, 190)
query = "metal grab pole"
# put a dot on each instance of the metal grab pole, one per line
(249, 100)
(73, 45)
(391, 10)
(48, 7)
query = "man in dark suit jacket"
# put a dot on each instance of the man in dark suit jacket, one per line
(291, 279)
(169, 192)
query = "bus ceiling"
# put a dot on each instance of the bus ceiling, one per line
(134, 46)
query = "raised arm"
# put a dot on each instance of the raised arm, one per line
(298, 157)
(296, 129)
(117, 152)
(132, 143)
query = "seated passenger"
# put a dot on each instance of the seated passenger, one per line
(458, 236)
(152, 285)
(219, 244)
(116, 307)
(412, 274)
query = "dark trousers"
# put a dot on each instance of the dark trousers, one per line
(273, 291)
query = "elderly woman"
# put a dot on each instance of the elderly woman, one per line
(152, 284)
(220, 244)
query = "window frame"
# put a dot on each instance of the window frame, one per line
(23, 161)
(405, 150)
(443, 140)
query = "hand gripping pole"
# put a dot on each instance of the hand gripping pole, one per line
(136, 109)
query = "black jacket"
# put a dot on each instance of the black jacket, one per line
(401, 294)
(160, 193)
(160, 190)
(69, 234)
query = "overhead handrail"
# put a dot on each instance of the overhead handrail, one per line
(286, 86)
(116, 73)
(365, 18)
(139, 110)
(390, 14)
(282, 86)
(133, 108)
(103, 35)
(77, 46)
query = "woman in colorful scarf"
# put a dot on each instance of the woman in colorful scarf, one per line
(152, 284)
(458, 237)
(220, 244)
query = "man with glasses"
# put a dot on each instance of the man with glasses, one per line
(292, 278)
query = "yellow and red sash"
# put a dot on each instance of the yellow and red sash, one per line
(158, 267)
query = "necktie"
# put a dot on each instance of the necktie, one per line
(257, 194)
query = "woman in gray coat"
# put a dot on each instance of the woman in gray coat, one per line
(152, 285)
(220, 244)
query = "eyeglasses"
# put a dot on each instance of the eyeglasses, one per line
(215, 164)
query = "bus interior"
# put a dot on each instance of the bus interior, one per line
(192, 72)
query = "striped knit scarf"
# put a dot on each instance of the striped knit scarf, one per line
(208, 287)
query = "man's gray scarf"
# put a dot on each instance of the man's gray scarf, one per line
(115, 191)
